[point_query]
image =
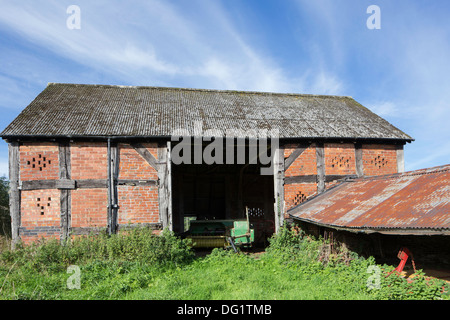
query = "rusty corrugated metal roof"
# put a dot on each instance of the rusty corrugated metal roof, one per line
(411, 202)
(76, 110)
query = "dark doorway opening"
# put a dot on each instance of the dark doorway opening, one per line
(223, 191)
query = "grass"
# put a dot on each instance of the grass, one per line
(139, 265)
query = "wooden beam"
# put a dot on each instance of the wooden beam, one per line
(137, 183)
(65, 184)
(400, 159)
(278, 177)
(294, 155)
(14, 191)
(113, 167)
(314, 178)
(320, 160)
(91, 183)
(145, 154)
(359, 160)
(81, 184)
(47, 184)
(164, 186)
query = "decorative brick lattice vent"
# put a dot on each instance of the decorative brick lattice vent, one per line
(379, 162)
(42, 203)
(255, 212)
(299, 198)
(340, 162)
(39, 162)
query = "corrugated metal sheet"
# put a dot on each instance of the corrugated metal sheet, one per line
(99, 110)
(413, 201)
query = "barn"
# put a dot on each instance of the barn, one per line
(378, 216)
(104, 158)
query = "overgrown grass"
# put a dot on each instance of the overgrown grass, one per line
(139, 265)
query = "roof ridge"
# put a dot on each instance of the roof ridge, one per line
(201, 90)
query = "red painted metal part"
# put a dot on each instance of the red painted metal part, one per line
(403, 255)
(412, 201)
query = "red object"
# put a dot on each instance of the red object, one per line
(403, 255)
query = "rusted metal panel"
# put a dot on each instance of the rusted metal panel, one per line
(100, 110)
(416, 200)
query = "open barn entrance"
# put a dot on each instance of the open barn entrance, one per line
(211, 192)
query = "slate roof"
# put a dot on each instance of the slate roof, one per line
(415, 202)
(76, 110)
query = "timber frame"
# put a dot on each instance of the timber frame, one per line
(66, 184)
(163, 166)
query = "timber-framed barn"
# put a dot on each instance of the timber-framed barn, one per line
(87, 158)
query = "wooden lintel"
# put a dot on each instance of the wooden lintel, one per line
(66, 184)
(314, 178)
(131, 182)
(47, 184)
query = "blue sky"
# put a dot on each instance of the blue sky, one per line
(401, 71)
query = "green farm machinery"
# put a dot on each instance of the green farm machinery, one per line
(221, 233)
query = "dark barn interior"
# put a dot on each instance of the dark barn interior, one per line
(223, 191)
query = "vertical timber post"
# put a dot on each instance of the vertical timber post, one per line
(400, 159)
(359, 160)
(169, 186)
(14, 191)
(65, 194)
(278, 179)
(320, 159)
(112, 186)
(165, 185)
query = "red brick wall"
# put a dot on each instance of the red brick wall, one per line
(340, 158)
(379, 159)
(89, 208)
(296, 193)
(40, 214)
(305, 164)
(89, 160)
(133, 166)
(138, 204)
(39, 161)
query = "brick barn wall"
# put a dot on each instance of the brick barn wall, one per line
(40, 214)
(89, 160)
(89, 208)
(340, 159)
(379, 159)
(39, 161)
(40, 217)
(138, 204)
(40, 209)
(304, 165)
(133, 166)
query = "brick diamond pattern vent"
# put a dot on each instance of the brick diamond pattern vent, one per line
(39, 162)
(379, 162)
(340, 162)
(299, 198)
